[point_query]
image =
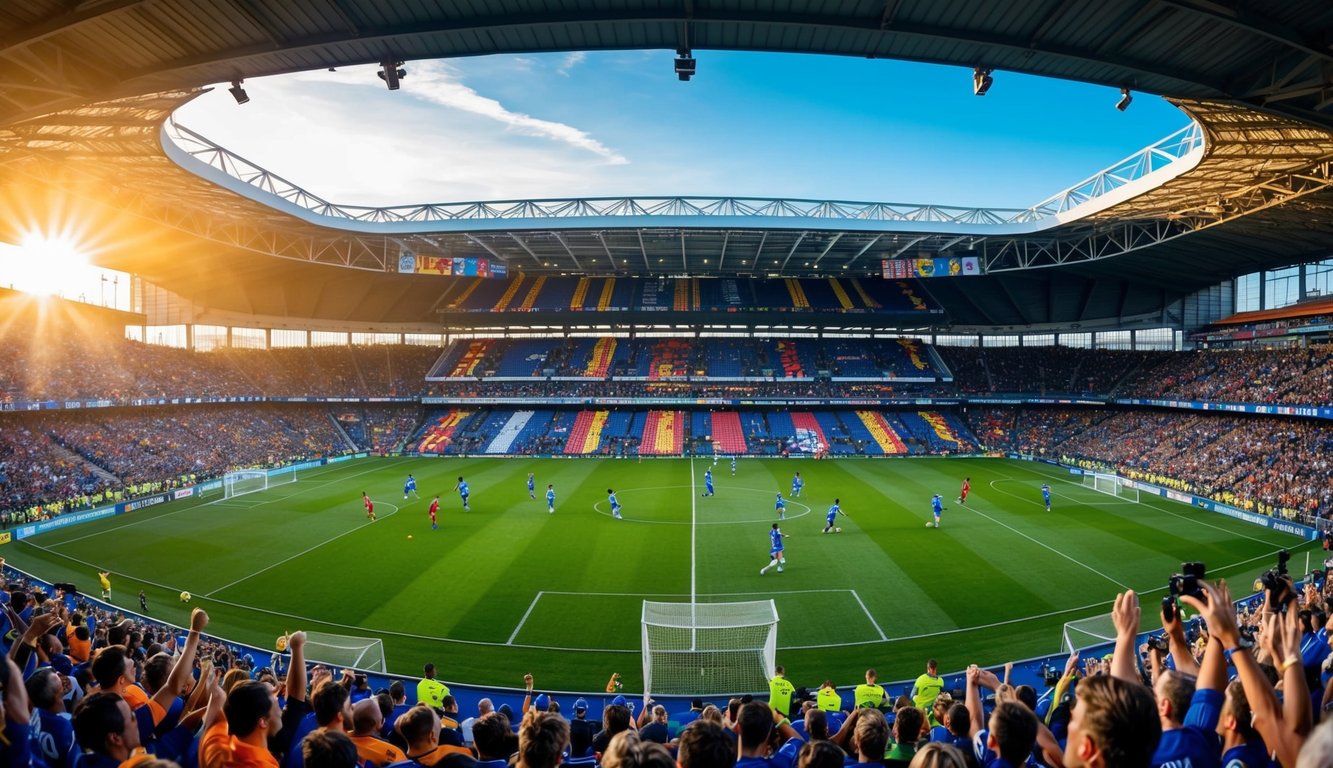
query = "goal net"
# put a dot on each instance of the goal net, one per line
(282, 475)
(244, 481)
(1090, 633)
(1111, 485)
(364, 653)
(708, 648)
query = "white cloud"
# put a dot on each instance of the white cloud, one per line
(570, 61)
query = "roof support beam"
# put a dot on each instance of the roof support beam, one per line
(80, 13)
(1231, 15)
(568, 250)
(792, 252)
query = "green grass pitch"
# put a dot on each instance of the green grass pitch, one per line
(507, 588)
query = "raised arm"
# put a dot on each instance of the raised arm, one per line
(296, 674)
(1179, 646)
(1126, 615)
(183, 669)
(973, 700)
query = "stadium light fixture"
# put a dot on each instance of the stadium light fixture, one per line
(391, 72)
(238, 93)
(685, 65)
(1125, 100)
(981, 81)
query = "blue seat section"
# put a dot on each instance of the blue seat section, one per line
(839, 441)
(535, 429)
(556, 293)
(701, 425)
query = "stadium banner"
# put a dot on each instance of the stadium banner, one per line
(296, 467)
(940, 266)
(6, 537)
(1307, 411)
(183, 493)
(65, 520)
(147, 501)
(450, 266)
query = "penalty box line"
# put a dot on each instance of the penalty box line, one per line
(536, 599)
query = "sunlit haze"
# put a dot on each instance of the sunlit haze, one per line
(620, 123)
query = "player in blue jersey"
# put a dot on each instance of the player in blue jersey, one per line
(550, 499)
(796, 485)
(832, 516)
(532, 487)
(775, 555)
(463, 493)
(937, 507)
(615, 504)
(782, 508)
(1046, 495)
(733, 466)
(410, 487)
(708, 482)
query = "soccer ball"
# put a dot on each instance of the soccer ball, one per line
(837, 530)
(409, 535)
(185, 597)
(929, 524)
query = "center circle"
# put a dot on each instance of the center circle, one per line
(724, 494)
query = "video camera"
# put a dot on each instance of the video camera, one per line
(1159, 643)
(1274, 581)
(1187, 582)
(1050, 675)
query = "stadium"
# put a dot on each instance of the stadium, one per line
(969, 428)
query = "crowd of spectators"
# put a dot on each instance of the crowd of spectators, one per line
(1281, 376)
(58, 461)
(1039, 370)
(1274, 466)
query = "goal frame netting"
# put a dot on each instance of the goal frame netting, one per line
(282, 475)
(1084, 634)
(708, 648)
(1111, 485)
(356, 651)
(244, 481)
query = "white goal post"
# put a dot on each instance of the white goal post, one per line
(364, 653)
(1111, 485)
(709, 648)
(244, 481)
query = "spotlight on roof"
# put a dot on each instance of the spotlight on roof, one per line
(391, 72)
(1125, 100)
(981, 81)
(685, 65)
(238, 93)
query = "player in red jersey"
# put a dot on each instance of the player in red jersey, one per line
(370, 505)
(967, 486)
(434, 510)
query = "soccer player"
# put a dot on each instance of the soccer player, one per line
(1046, 495)
(434, 510)
(105, 578)
(708, 482)
(936, 506)
(796, 485)
(550, 498)
(967, 486)
(733, 466)
(775, 551)
(143, 601)
(832, 515)
(781, 507)
(369, 505)
(532, 487)
(615, 504)
(410, 487)
(463, 493)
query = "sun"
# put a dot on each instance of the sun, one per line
(41, 265)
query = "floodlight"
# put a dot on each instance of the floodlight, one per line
(391, 72)
(238, 93)
(685, 65)
(1125, 100)
(981, 81)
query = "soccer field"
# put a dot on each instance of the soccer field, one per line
(508, 588)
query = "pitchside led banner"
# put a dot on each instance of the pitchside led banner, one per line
(462, 266)
(943, 266)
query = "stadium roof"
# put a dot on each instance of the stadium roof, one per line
(85, 90)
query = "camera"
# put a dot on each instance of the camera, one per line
(1274, 580)
(1050, 675)
(1187, 581)
(1159, 643)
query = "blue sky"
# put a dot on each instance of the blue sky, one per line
(620, 123)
